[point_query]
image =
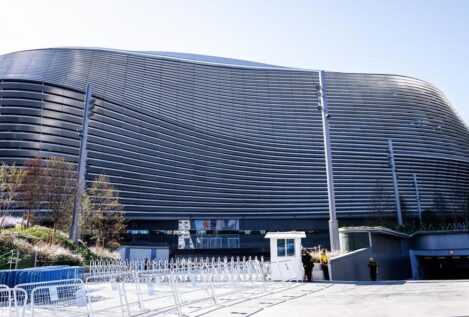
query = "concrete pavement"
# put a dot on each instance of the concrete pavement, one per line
(397, 298)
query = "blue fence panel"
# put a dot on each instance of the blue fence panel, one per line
(40, 274)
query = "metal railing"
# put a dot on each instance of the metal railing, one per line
(10, 258)
(129, 288)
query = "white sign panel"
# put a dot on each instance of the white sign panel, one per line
(53, 295)
(80, 297)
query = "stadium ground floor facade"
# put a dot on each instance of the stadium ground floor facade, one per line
(226, 236)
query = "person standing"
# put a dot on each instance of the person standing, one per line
(373, 266)
(307, 264)
(324, 264)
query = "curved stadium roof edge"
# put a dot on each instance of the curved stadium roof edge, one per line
(189, 57)
(213, 60)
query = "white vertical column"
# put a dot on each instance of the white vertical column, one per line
(417, 196)
(392, 164)
(333, 224)
(87, 112)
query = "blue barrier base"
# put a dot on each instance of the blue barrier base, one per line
(40, 274)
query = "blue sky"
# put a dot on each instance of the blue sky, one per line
(428, 39)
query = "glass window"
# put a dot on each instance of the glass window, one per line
(290, 247)
(281, 247)
(215, 243)
(233, 243)
(216, 224)
(202, 243)
(135, 231)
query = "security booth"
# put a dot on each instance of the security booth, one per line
(285, 255)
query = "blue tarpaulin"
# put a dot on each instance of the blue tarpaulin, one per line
(40, 274)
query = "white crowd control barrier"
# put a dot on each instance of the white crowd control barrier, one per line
(172, 285)
(131, 288)
(31, 296)
(193, 284)
(61, 300)
(28, 287)
(12, 302)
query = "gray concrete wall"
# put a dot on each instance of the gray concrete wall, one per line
(405, 246)
(386, 244)
(143, 252)
(436, 241)
(353, 266)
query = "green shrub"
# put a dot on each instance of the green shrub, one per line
(42, 233)
(9, 241)
(36, 242)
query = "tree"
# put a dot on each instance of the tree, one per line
(460, 202)
(11, 179)
(60, 189)
(404, 210)
(466, 207)
(379, 203)
(102, 214)
(31, 194)
(440, 207)
(429, 217)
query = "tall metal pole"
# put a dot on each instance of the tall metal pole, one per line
(392, 164)
(417, 196)
(333, 224)
(87, 111)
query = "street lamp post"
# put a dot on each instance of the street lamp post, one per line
(87, 113)
(323, 107)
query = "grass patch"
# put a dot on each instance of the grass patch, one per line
(40, 244)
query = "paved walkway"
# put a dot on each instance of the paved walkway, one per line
(401, 298)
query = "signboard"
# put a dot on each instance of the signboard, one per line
(184, 237)
(53, 295)
(80, 297)
(184, 224)
(113, 284)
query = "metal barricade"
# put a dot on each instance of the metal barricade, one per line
(61, 299)
(12, 302)
(28, 287)
(129, 288)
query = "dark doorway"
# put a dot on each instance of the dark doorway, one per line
(444, 267)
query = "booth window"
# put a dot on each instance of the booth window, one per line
(286, 247)
(290, 247)
(281, 247)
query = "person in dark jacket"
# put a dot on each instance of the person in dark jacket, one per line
(307, 260)
(373, 266)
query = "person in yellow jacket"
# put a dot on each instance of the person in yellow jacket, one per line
(324, 264)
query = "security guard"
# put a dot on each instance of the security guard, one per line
(324, 264)
(373, 266)
(307, 260)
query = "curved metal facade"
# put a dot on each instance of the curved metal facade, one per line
(210, 138)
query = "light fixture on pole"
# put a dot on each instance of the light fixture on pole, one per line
(323, 108)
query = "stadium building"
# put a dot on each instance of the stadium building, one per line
(210, 153)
